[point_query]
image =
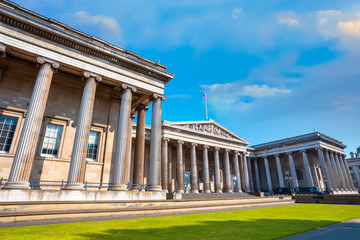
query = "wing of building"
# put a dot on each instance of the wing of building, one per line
(67, 104)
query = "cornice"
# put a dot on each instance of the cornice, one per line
(15, 16)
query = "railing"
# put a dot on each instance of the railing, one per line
(39, 184)
(138, 187)
(2, 181)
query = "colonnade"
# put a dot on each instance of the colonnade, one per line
(334, 170)
(167, 162)
(25, 152)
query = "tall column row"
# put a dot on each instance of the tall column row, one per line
(25, 152)
(228, 164)
(334, 170)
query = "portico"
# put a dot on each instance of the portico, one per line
(312, 160)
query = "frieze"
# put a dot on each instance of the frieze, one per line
(208, 128)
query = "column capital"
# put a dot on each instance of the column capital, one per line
(157, 95)
(276, 155)
(319, 149)
(2, 50)
(97, 77)
(303, 151)
(236, 152)
(289, 153)
(141, 106)
(42, 60)
(227, 150)
(165, 139)
(126, 86)
(206, 146)
(180, 142)
(194, 144)
(217, 148)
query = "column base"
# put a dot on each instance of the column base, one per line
(17, 185)
(74, 186)
(165, 190)
(229, 191)
(155, 188)
(218, 191)
(207, 191)
(180, 191)
(119, 187)
(194, 191)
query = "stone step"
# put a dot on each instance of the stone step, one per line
(14, 212)
(329, 199)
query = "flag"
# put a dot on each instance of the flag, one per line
(205, 95)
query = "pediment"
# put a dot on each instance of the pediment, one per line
(209, 127)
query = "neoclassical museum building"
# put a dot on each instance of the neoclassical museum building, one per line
(68, 104)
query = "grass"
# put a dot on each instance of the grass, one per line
(261, 223)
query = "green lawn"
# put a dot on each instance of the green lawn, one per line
(261, 223)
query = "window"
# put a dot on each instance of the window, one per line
(93, 146)
(7, 130)
(52, 140)
(299, 174)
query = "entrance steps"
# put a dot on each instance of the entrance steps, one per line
(329, 199)
(215, 195)
(33, 211)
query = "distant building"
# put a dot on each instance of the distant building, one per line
(354, 167)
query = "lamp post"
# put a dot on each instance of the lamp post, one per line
(288, 179)
(326, 181)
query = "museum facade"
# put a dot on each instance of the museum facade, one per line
(67, 107)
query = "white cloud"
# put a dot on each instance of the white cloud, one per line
(83, 17)
(288, 18)
(340, 25)
(236, 12)
(238, 97)
(260, 91)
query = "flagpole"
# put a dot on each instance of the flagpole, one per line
(206, 109)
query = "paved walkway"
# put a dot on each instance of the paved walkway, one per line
(72, 220)
(344, 231)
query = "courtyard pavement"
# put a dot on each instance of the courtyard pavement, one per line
(340, 231)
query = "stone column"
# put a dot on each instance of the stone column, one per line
(227, 187)
(194, 171)
(78, 157)
(257, 177)
(164, 165)
(155, 144)
(323, 167)
(344, 170)
(330, 170)
(293, 171)
(338, 184)
(246, 174)
(127, 168)
(217, 171)
(308, 176)
(268, 176)
(170, 169)
(24, 156)
(251, 179)
(340, 171)
(180, 171)
(352, 187)
(122, 139)
(237, 171)
(138, 174)
(279, 171)
(206, 177)
(357, 174)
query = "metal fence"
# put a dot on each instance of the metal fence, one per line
(44, 184)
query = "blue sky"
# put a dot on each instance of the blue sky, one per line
(271, 69)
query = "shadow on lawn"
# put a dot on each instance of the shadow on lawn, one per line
(257, 229)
